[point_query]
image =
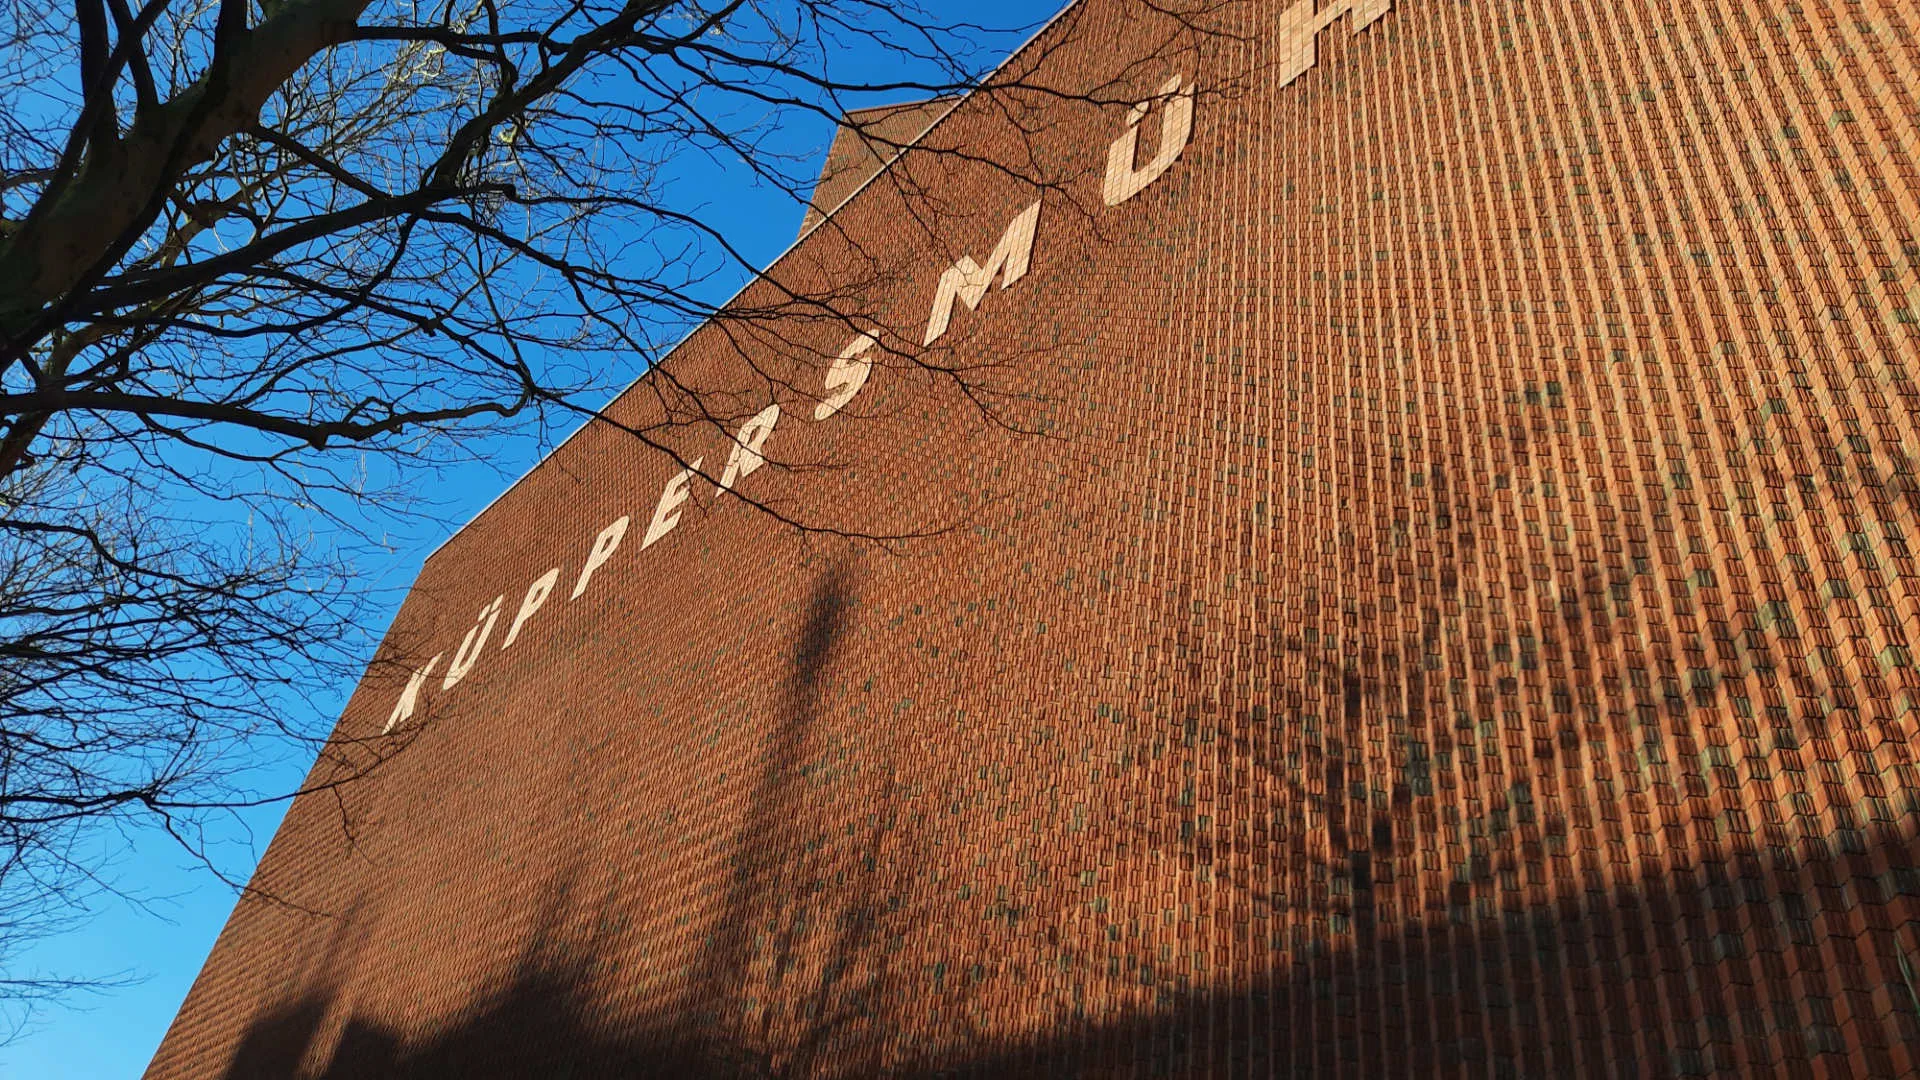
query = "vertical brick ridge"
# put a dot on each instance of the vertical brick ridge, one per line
(1455, 621)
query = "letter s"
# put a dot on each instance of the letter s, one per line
(847, 375)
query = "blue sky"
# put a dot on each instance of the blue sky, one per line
(163, 941)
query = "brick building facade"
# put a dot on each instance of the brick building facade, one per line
(1427, 594)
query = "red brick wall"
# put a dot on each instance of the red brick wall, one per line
(864, 143)
(1454, 622)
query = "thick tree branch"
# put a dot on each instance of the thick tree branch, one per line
(64, 245)
(145, 93)
(315, 432)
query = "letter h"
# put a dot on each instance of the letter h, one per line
(1300, 25)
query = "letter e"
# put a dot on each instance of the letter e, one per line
(667, 514)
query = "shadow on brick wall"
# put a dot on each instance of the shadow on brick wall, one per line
(1529, 1000)
(1717, 969)
(542, 1022)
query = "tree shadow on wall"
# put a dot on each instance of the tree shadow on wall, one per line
(789, 966)
(1371, 1008)
(781, 977)
(1674, 976)
(535, 1024)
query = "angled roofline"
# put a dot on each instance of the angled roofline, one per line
(956, 101)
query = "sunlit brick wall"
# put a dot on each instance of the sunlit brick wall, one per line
(863, 144)
(1440, 606)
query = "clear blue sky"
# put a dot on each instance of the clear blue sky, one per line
(164, 942)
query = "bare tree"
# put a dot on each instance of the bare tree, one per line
(271, 256)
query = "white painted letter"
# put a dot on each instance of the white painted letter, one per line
(667, 514)
(1176, 127)
(1300, 25)
(968, 281)
(604, 546)
(746, 447)
(846, 377)
(410, 697)
(470, 646)
(537, 594)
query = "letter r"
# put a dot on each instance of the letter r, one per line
(746, 456)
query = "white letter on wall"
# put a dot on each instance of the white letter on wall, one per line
(746, 447)
(410, 697)
(1176, 127)
(968, 281)
(537, 595)
(1300, 25)
(604, 546)
(470, 646)
(846, 377)
(667, 514)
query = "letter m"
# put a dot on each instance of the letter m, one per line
(967, 281)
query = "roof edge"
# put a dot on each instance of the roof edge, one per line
(756, 277)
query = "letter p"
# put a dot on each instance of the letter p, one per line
(604, 546)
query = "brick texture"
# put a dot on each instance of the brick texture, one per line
(1438, 605)
(863, 145)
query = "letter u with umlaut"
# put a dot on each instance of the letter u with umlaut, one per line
(470, 646)
(1124, 181)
